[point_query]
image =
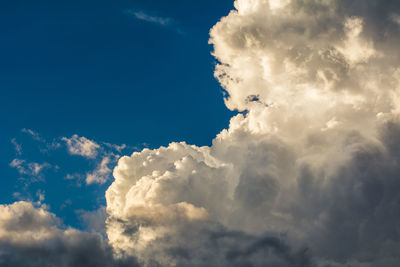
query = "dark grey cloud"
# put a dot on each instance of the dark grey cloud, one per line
(79, 250)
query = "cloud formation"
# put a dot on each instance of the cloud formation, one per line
(305, 175)
(308, 168)
(31, 236)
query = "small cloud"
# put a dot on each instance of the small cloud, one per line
(40, 196)
(162, 21)
(66, 203)
(77, 177)
(101, 174)
(34, 134)
(70, 176)
(140, 15)
(17, 195)
(17, 146)
(46, 145)
(118, 148)
(29, 168)
(81, 146)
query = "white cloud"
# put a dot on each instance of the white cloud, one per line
(101, 174)
(81, 146)
(141, 15)
(104, 155)
(314, 155)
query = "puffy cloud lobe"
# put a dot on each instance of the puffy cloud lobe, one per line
(314, 156)
(32, 236)
(163, 187)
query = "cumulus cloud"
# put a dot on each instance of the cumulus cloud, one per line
(81, 146)
(32, 236)
(306, 175)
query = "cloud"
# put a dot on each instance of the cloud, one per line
(94, 220)
(46, 146)
(90, 149)
(32, 133)
(81, 146)
(101, 174)
(305, 175)
(32, 236)
(161, 21)
(17, 146)
(312, 155)
(33, 169)
(141, 15)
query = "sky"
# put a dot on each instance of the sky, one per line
(95, 69)
(200, 133)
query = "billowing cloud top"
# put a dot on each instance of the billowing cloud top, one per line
(306, 174)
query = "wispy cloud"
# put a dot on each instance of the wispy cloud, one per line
(141, 15)
(34, 134)
(17, 146)
(155, 19)
(32, 169)
(46, 145)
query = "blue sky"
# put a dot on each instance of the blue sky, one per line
(138, 73)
